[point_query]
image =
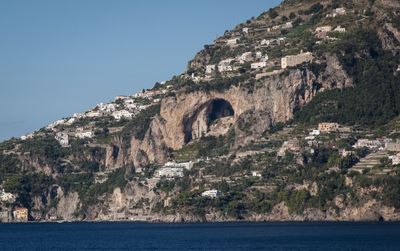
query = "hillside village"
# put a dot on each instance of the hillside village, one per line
(227, 160)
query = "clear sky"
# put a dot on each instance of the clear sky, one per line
(58, 57)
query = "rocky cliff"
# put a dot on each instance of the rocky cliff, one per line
(266, 102)
(236, 124)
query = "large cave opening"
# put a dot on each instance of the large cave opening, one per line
(198, 123)
(219, 108)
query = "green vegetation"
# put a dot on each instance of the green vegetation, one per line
(315, 8)
(213, 146)
(273, 13)
(390, 194)
(46, 146)
(27, 186)
(90, 195)
(375, 98)
(75, 182)
(8, 166)
(166, 186)
(138, 126)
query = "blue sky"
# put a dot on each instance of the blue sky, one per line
(60, 57)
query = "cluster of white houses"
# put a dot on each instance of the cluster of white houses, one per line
(270, 42)
(287, 25)
(380, 144)
(6, 197)
(80, 133)
(122, 107)
(258, 61)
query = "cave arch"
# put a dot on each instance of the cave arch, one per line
(199, 121)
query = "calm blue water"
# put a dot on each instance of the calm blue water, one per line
(224, 236)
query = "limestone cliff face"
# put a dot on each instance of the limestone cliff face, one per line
(153, 147)
(114, 158)
(61, 205)
(268, 101)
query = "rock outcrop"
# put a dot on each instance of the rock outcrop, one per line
(261, 104)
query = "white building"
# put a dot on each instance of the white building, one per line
(225, 65)
(315, 133)
(106, 107)
(340, 29)
(337, 12)
(320, 29)
(245, 57)
(169, 172)
(121, 97)
(245, 30)
(210, 68)
(7, 197)
(56, 123)
(294, 60)
(232, 41)
(276, 27)
(28, 136)
(269, 42)
(132, 106)
(344, 153)
(84, 134)
(129, 101)
(266, 42)
(71, 121)
(371, 144)
(258, 65)
(281, 39)
(62, 138)
(77, 115)
(255, 174)
(287, 25)
(185, 165)
(93, 114)
(210, 193)
(118, 115)
(340, 11)
(395, 159)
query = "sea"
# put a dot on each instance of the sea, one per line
(207, 236)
